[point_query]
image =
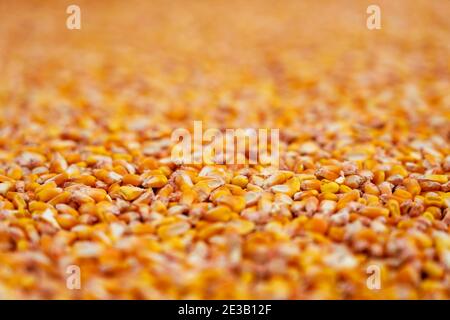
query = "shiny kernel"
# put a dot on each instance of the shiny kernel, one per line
(331, 187)
(130, 193)
(240, 181)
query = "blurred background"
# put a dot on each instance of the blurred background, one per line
(139, 69)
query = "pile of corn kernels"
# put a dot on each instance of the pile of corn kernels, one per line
(86, 177)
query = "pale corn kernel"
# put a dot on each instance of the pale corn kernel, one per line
(328, 206)
(282, 188)
(251, 198)
(173, 229)
(385, 188)
(5, 187)
(242, 226)
(354, 181)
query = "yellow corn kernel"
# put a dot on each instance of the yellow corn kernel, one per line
(210, 230)
(328, 196)
(336, 233)
(435, 211)
(63, 197)
(15, 173)
(379, 177)
(130, 193)
(405, 224)
(220, 192)
(158, 206)
(423, 240)
(348, 197)
(344, 189)
(6, 179)
(48, 193)
(374, 212)
(398, 169)
(370, 188)
(328, 172)
(432, 199)
(102, 175)
(235, 190)
(219, 213)
(86, 179)
(433, 269)
(331, 187)
(394, 208)
(276, 178)
(294, 184)
(65, 209)
(202, 189)
(440, 178)
(37, 206)
(310, 185)
(402, 194)
(372, 200)
(155, 181)
(97, 194)
(428, 215)
(19, 202)
(145, 228)
(316, 224)
(413, 186)
(240, 180)
(66, 221)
